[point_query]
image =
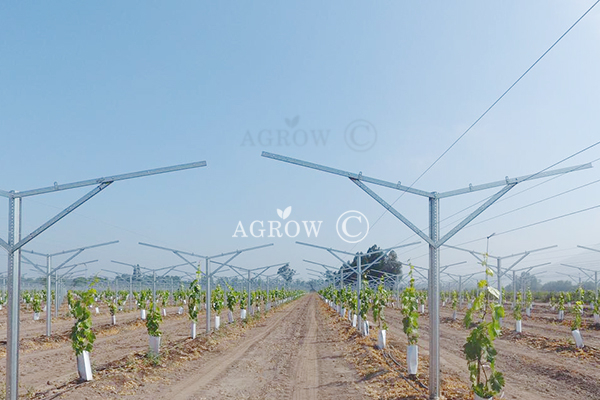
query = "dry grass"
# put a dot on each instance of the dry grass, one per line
(384, 371)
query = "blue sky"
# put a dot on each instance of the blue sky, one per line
(90, 90)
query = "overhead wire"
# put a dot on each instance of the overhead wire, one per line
(487, 111)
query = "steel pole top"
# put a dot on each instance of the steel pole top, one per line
(584, 270)
(320, 264)
(532, 267)
(71, 250)
(501, 257)
(433, 239)
(109, 179)
(358, 254)
(589, 248)
(579, 268)
(123, 263)
(204, 256)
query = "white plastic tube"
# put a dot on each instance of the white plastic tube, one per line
(84, 366)
(155, 344)
(412, 359)
(381, 339)
(578, 339)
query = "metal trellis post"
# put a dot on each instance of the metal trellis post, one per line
(359, 179)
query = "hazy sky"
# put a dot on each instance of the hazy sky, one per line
(96, 89)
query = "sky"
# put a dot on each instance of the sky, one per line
(91, 90)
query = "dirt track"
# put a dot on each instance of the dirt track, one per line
(291, 355)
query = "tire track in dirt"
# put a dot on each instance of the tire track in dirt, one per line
(306, 378)
(202, 380)
(291, 355)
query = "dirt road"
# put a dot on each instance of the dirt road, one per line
(292, 354)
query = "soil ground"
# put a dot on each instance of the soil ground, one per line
(542, 363)
(290, 353)
(300, 350)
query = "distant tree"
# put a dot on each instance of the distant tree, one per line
(558, 286)
(286, 273)
(137, 273)
(388, 263)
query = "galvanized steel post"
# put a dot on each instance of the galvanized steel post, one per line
(434, 299)
(500, 297)
(358, 289)
(249, 305)
(208, 296)
(14, 282)
(48, 296)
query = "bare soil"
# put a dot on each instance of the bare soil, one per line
(542, 363)
(301, 350)
(289, 353)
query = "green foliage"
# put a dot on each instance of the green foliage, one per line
(112, 306)
(218, 299)
(153, 320)
(410, 322)
(579, 294)
(577, 310)
(528, 298)
(454, 300)
(164, 297)
(518, 309)
(365, 297)
(82, 336)
(194, 298)
(380, 299)
(561, 301)
(479, 349)
(36, 302)
(232, 297)
(27, 297)
(179, 295)
(353, 301)
(243, 299)
(142, 298)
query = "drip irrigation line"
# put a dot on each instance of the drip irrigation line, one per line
(489, 109)
(387, 356)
